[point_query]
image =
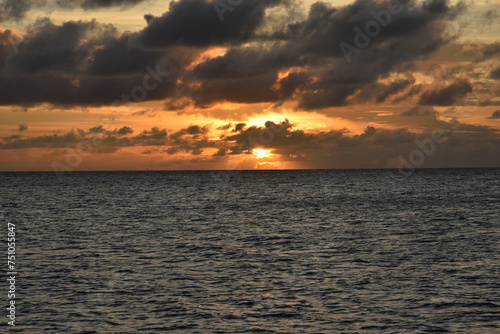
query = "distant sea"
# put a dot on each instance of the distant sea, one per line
(255, 251)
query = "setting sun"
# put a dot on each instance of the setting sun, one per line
(260, 153)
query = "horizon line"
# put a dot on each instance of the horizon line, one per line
(240, 170)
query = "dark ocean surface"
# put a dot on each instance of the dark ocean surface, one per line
(255, 251)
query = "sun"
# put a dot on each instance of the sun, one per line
(260, 153)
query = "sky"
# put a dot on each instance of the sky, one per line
(248, 84)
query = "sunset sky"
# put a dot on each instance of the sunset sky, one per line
(251, 84)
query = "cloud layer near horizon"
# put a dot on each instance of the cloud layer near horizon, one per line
(374, 148)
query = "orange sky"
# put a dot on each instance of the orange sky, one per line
(201, 118)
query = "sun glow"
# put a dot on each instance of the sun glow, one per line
(260, 153)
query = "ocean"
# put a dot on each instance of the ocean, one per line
(306, 251)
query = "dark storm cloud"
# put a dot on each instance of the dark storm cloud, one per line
(87, 63)
(496, 115)
(195, 23)
(246, 75)
(125, 55)
(314, 42)
(413, 33)
(327, 26)
(83, 63)
(261, 88)
(58, 48)
(245, 62)
(86, 48)
(491, 50)
(121, 56)
(495, 74)
(448, 95)
(70, 91)
(14, 9)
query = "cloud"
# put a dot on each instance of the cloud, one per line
(82, 63)
(67, 65)
(107, 138)
(491, 50)
(52, 48)
(121, 56)
(7, 37)
(95, 4)
(125, 131)
(15, 10)
(496, 115)
(490, 15)
(448, 95)
(465, 145)
(313, 44)
(419, 111)
(380, 91)
(225, 127)
(195, 23)
(239, 127)
(393, 88)
(16, 142)
(495, 74)
(192, 139)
